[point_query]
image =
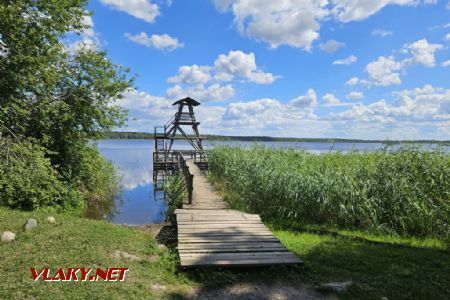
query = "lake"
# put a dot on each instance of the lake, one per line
(139, 204)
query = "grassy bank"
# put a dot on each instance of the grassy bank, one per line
(405, 192)
(379, 268)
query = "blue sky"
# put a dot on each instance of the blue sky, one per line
(302, 68)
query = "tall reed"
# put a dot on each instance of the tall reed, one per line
(404, 191)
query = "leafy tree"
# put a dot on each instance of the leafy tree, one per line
(51, 96)
(59, 98)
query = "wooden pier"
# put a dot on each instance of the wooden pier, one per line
(212, 234)
(209, 232)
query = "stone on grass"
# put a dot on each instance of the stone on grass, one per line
(30, 224)
(123, 254)
(51, 219)
(158, 287)
(8, 236)
(336, 286)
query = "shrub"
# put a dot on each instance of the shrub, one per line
(28, 180)
(175, 193)
(96, 179)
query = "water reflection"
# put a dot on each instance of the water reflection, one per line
(136, 203)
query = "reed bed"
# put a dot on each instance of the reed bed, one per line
(404, 191)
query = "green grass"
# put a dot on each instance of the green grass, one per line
(378, 269)
(379, 266)
(406, 191)
(78, 242)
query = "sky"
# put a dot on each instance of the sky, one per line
(367, 69)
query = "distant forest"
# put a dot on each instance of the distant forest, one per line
(146, 135)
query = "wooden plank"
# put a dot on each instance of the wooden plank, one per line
(240, 222)
(208, 207)
(185, 217)
(200, 211)
(205, 216)
(238, 263)
(221, 205)
(229, 245)
(237, 256)
(215, 217)
(235, 250)
(227, 239)
(218, 205)
(197, 225)
(225, 226)
(221, 221)
(222, 231)
(223, 217)
(241, 259)
(206, 202)
(187, 236)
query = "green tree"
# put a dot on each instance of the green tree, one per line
(51, 96)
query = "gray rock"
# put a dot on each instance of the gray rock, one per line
(30, 224)
(51, 219)
(158, 287)
(336, 286)
(122, 254)
(8, 236)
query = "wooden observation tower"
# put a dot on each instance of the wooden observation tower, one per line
(182, 126)
(166, 135)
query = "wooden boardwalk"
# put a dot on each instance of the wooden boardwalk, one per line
(212, 234)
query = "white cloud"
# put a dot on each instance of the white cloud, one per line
(346, 61)
(357, 10)
(201, 81)
(448, 5)
(88, 38)
(214, 92)
(447, 37)
(331, 100)
(415, 113)
(141, 9)
(331, 46)
(422, 51)
(446, 63)
(355, 96)
(88, 24)
(162, 42)
(426, 104)
(296, 23)
(240, 64)
(143, 106)
(235, 64)
(271, 117)
(307, 101)
(191, 75)
(383, 71)
(381, 32)
(352, 81)
(286, 22)
(241, 111)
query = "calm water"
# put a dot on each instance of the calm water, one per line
(138, 204)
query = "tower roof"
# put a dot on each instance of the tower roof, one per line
(188, 101)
